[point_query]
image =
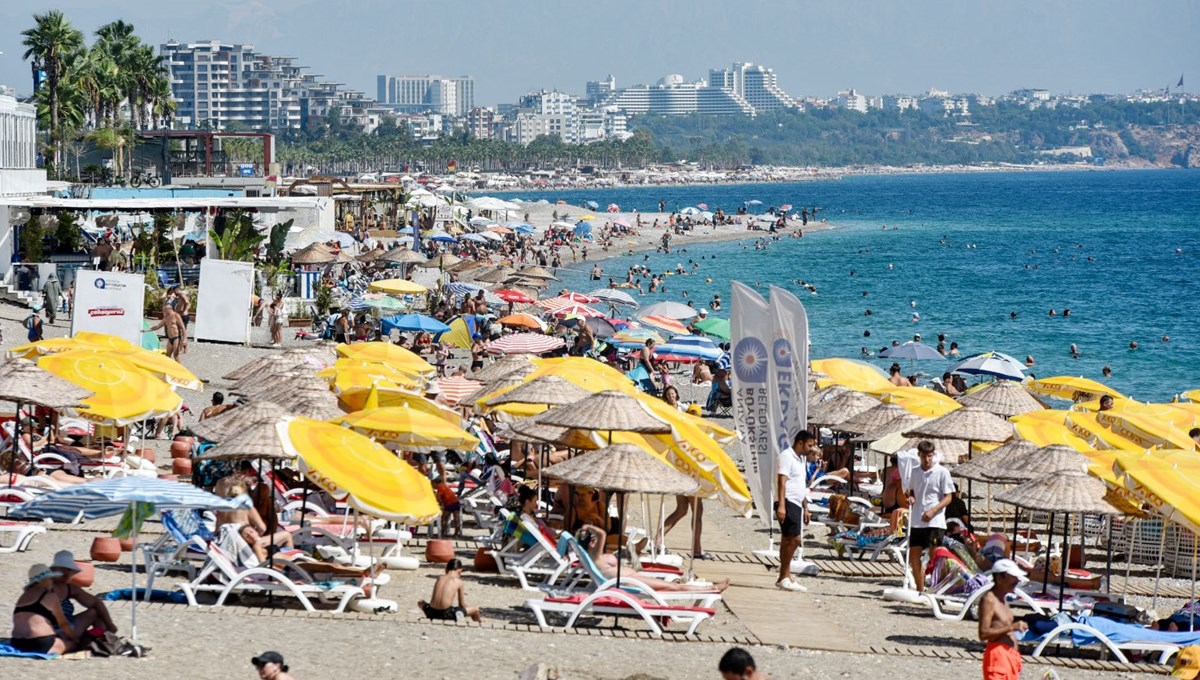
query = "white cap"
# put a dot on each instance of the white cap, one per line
(703, 312)
(1007, 566)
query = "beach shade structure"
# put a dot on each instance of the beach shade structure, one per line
(493, 387)
(577, 311)
(1072, 388)
(1040, 462)
(1005, 456)
(514, 296)
(825, 394)
(397, 287)
(536, 272)
(614, 297)
(477, 238)
(714, 327)
(548, 390)
(871, 420)
(992, 364)
(1097, 435)
(607, 411)
(951, 449)
(579, 298)
(134, 497)
(670, 310)
(122, 393)
(898, 424)
(313, 358)
(23, 382)
(81, 340)
(1192, 396)
(840, 409)
(530, 431)
(352, 468)
(314, 253)
(856, 375)
(518, 282)
(635, 337)
(387, 353)
(968, 424)
(402, 256)
(1145, 431)
(622, 222)
(441, 260)
(913, 351)
(1047, 427)
(380, 303)
(521, 365)
(522, 320)
(409, 429)
(920, 401)
(1005, 398)
(349, 380)
(453, 388)
(439, 236)
(664, 324)
(690, 211)
(359, 397)
(462, 288)
(412, 323)
(601, 327)
(243, 418)
(371, 255)
(356, 371)
(525, 343)
(259, 442)
(692, 346)
(149, 339)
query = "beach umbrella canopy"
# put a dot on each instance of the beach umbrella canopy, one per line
(951, 449)
(1063, 492)
(625, 468)
(536, 272)
(872, 419)
(840, 409)
(454, 388)
(463, 288)
(360, 372)
(22, 381)
(664, 324)
(549, 390)
(411, 323)
(983, 468)
(1047, 427)
(386, 353)
(81, 340)
(896, 425)
(1145, 431)
(380, 302)
(669, 309)
(1047, 460)
(635, 337)
(397, 287)
(1072, 388)
(408, 428)
(1005, 398)
(856, 375)
(402, 256)
(516, 296)
(991, 363)
(919, 401)
(243, 418)
(693, 346)
(522, 320)
(439, 236)
(1093, 432)
(614, 297)
(122, 393)
(314, 253)
(316, 357)
(574, 310)
(497, 275)
(607, 411)
(522, 365)
(601, 327)
(530, 431)
(913, 351)
(714, 327)
(968, 424)
(525, 343)
(441, 261)
(690, 211)
(352, 468)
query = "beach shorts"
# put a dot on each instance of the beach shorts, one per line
(448, 614)
(926, 537)
(793, 521)
(1001, 662)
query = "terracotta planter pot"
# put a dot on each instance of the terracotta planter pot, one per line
(85, 576)
(485, 562)
(182, 467)
(105, 549)
(126, 544)
(181, 449)
(439, 551)
(185, 438)
(147, 454)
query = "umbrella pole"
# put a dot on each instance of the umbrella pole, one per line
(1064, 557)
(1129, 555)
(133, 572)
(620, 533)
(1162, 546)
(970, 483)
(1192, 598)
(1049, 546)
(1016, 532)
(1108, 558)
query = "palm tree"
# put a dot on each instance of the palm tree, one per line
(51, 38)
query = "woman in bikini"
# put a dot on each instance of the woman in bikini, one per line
(37, 613)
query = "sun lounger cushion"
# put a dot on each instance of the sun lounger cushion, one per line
(614, 603)
(1126, 633)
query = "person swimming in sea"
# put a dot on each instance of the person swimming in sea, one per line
(1074, 351)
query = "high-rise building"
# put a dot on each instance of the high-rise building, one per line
(756, 84)
(745, 89)
(852, 101)
(598, 90)
(480, 122)
(427, 93)
(558, 109)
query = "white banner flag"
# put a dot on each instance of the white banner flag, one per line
(791, 333)
(751, 337)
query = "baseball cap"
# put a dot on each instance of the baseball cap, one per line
(1187, 663)
(703, 312)
(268, 657)
(64, 560)
(1007, 566)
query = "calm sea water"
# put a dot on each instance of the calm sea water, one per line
(969, 250)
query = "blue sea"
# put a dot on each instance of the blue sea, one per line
(1121, 250)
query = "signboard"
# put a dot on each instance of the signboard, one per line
(246, 170)
(223, 303)
(108, 302)
(443, 213)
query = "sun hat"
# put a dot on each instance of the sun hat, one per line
(1187, 663)
(703, 312)
(433, 389)
(269, 657)
(40, 572)
(64, 559)
(1007, 566)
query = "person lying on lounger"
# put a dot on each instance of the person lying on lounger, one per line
(592, 539)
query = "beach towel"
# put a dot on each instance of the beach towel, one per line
(9, 650)
(169, 596)
(1123, 633)
(131, 521)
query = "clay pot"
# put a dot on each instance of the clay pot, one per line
(105, 549)
(85, 576)
(147, 454)
(186, 439)
(126, 544)
(181, 449)
(181, 467)
(485, 562)
(439, 550)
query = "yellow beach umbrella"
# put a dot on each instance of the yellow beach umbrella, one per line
(1071, 387)
(376, 396)
(81, 340)
(919, 401)
(673, 415)
(364, 474)
(1193, 395)
(1086, 426)
(373, 369)
(162, 366)
(1044, 428)
(387, 353)
(122, 392)
(1180, 416)
(584, 372)
(397, 287)
(850, 373)
(1171, 488)
(1145, 431)
(410, 428)
(350, 378)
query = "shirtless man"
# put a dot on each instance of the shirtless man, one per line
(1001, 658)
(218, 407)
(897, 378)
(448, 589)
(176, 332)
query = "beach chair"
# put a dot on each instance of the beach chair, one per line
(1116, 638)
(174, 550)
(16, 536)
(953, 592)
(656, 613)
(540, 563)
(585, 576)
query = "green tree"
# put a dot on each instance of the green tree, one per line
(32, 238)
(47, 44)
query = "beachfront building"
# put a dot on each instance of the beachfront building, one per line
(852, 101)
(899, 102)
(559, 110)
(19, 174)
(755, 84)
(481, 122)
(598, 90)
(745, 89)
(426, 94)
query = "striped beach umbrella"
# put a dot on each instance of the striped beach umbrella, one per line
(454, 388)
(664, 324)
(525, 343)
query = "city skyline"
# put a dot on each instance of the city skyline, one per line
(816, 50)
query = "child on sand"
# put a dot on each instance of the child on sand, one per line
(448, 589)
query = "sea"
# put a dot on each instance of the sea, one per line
(1119, 249)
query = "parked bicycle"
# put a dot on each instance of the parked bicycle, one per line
(144, 177)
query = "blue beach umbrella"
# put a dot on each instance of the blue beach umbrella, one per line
(913, 351)
(137, 496)
(440, 236)
(994, 364)
(691, 346)
(593, 205)
(413, 323)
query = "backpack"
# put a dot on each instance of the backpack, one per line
(32, 327)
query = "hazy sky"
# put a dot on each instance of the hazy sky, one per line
(816, 48)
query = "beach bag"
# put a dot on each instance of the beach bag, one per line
(111, 644)
(1113, 611)
(30, 326)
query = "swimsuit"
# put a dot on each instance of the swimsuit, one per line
(1001, 662)
(40, 644)
(447, 614)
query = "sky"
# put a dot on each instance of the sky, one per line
(816, 48)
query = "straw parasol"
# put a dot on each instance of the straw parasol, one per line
(1048, 460)
(468, 265)
(344, 257)
(318, 406)
(536, 272)
(1005, 398)
(983, 468)
(840, 408)
(237, 420)
(496, 275)
(370, 256)
(896, 425)
(872, 419)
(529, 430)
(315, 357)
(526, 282)
(816, 396)
(549, 390)
(609, 411)
(260, 443)
(490, 386)
(512, 363)
(624, 468)
(269, 385)
(968, 423)
(314, 253)
(1063, 491)
(21, 381)
(951, 449)
(402, 256)
(440, 261)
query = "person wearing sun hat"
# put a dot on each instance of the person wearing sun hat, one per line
(95, 612)
(36, 614)
(1187, 663)
(997, 626)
